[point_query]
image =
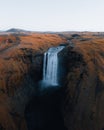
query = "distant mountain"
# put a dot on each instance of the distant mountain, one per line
(15, 30)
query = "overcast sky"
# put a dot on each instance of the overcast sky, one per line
(52, 15)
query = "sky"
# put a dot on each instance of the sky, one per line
(52, 15)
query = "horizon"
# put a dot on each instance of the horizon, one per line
(56, 15)
(21, 29)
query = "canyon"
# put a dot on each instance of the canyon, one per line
(78, 104)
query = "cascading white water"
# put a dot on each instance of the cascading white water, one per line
(50, 66)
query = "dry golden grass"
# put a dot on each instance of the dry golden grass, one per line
(37, 41)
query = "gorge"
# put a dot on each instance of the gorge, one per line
(43, 111)
(78, 101)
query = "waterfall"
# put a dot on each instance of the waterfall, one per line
(50, 66)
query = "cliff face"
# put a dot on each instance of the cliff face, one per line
(84, 89)
(80, 100)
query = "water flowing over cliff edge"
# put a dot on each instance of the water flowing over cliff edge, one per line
(50, 66)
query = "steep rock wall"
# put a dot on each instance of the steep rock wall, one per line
(18, 80)
(83, 103)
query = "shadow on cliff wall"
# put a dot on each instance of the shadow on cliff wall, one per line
(44, 112)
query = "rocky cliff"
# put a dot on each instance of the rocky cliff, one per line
(83, 107)
(21, 64)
